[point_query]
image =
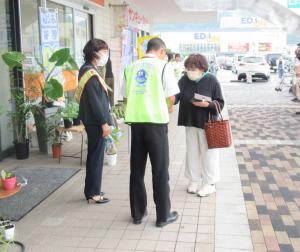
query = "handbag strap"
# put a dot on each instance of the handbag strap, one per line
(218, 109)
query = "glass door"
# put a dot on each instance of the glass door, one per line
(82, 28)
(6, 135)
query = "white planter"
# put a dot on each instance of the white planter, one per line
(111, 159)
(9, 233)
(120, 121)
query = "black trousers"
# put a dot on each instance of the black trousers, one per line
(152, 139)
(94, 163)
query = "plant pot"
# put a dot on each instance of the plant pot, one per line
(41, 131)
(76, 121)
(111, 159)
(56, 150)
(9, 184)
(22, 150)
(9, 232)
(67, 123)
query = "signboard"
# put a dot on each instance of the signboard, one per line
(99, 2)
(136, 20)
(265, 47)
(293, 4)
(207, 37)
(49, 32)
(142, 45)
(238, 47)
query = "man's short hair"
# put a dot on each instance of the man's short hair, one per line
(177, 55)
(155, 44)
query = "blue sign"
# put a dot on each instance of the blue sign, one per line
(49, 31)
(293, 4)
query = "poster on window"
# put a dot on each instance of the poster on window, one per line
(142, 45)
(49, 32)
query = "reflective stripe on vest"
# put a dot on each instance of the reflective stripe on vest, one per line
(146, 101)
(84, 80)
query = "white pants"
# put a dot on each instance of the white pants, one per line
(201, 163)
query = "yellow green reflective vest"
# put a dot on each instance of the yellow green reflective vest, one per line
(146, 101)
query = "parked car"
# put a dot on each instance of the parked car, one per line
(236, 61)
(256, 65)
(272, 58)
(225, 60)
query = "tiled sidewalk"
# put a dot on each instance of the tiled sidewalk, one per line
(267, 143)
(64, 222)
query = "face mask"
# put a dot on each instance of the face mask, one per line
(103, 60)
(194, 75)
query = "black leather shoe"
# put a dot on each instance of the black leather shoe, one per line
(173, 216)
(139, 221)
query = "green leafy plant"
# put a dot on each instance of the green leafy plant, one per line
(54, 135)
(52, 88)
(7, 175)
(71, 110)
(119, 110)
(4, 243)
(21, 108)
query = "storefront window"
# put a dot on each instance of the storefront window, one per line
(65, 19)
(30, 28)
(6, 136)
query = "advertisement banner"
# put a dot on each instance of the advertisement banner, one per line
(142, 45)
(265, 47)
(238, 47)
(49, 32)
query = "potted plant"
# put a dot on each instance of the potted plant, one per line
(111, 149)
(54, 135)
(8, 229)
(21, 109)
(46, 83)
(70, 112)
(8, 180)
(118, 112)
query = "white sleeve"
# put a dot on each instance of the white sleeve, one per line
(170, 82)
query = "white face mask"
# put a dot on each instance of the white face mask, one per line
(194, 75)
(102, 60)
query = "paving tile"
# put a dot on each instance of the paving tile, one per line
(168, 236)
(127, 244)
(202, 247)
(184, 246)
(205, 238)
(89, 242)
(234, 242)
(165, 246)
(145, 245)
(186, 237)
(109, 243)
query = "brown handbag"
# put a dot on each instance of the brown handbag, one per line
(217, 131)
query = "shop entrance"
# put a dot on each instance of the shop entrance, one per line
(82, 24)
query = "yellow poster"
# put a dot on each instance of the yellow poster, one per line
(142, 45)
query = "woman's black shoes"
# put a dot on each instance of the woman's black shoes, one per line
(173, 216)
(102, 200)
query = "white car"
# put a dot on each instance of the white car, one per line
(256, 65)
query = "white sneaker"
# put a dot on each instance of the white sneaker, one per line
(206, 190)
(193, 187)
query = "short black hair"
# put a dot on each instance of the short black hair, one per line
(170, 56)
(196, 60)
(177, 55)
(155, 44)
(92, 47)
